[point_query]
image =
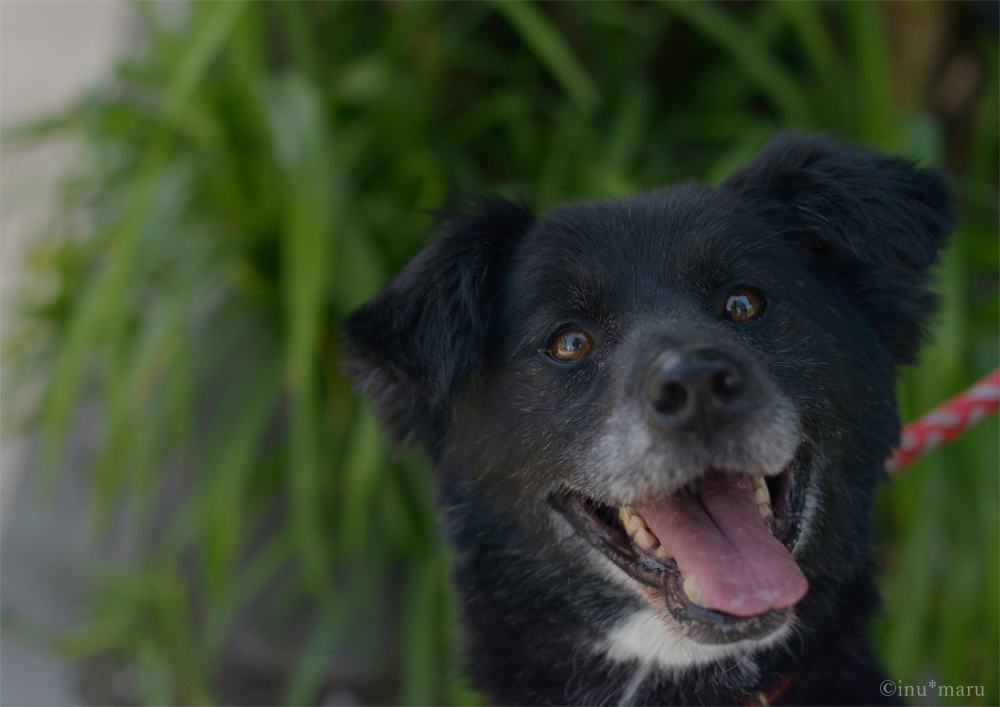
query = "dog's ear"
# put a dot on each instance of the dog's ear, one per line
(414, 345)
(873, 224)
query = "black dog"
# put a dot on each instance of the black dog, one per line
(658, 425)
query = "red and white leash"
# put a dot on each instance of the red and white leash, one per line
(948, 420)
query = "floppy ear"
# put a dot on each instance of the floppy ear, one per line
(414, 345)
(873, 224)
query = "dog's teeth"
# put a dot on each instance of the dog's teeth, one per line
(660, 554)
(762, 494)
(631, 520)
(626, 517)
(693, 592)
(763, 497)
(644, 540)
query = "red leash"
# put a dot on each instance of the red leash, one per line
(948, 420)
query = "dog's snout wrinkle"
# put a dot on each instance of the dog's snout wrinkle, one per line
(697, 390)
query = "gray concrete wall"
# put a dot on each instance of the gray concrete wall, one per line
(50, 52)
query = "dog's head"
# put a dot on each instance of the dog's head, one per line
(692, 389)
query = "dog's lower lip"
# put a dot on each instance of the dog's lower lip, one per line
(602, 527)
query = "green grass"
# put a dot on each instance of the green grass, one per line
(258, 170)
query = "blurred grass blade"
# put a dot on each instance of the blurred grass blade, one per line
(749, 54)
(155, 674)
(42, 127)
(982, 162)
(303, 151)
(133, 366)
(233, 444)
(211, 37)
(262, 568)
(911, 591)
(542, 37)
(630, 125)
(316, 657)
(739, 153)
(361, 466)
(866, 41)
(104, 296)
(807, 21)
(422, 669)
(815, 40)
(300, 39)
(146, 611)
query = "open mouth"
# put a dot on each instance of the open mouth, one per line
(720, 554)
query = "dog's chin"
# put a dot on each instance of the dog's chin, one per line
(643, 565)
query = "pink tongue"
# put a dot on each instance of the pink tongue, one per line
(719, 539)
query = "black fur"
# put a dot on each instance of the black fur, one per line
(840, 240)
(423, 335)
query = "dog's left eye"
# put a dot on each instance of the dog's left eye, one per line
(743, 304)
(571, 345)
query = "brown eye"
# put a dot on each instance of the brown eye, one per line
(743, 305)
(571, 345)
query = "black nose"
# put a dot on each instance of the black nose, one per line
(702, 389)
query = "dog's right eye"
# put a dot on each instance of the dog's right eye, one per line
(570, 345)
(743, 304)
